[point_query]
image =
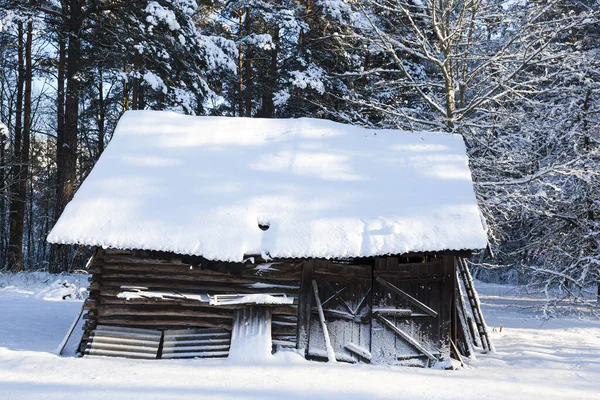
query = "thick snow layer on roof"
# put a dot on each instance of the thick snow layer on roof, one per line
(202, 186)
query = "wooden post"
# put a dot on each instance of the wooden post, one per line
(305, 305)
(63, 344)
(330, 352)
(447, 296)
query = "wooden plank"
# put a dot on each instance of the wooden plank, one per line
(408, 297)
(284, 343)
(168, 323)
(454, 351)
(289, 310)
(358, 350)
(330, 352)
(61, 346)
(305, 305)
(335, 314)
(396, 312)
(189, 286)
(406, 337)
(160, 313)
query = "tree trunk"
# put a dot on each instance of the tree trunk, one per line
(136, 87)
(23, 182)
(66, 151)
(268, 108)
(101, 111)
(248, 68)
(240, 105)
(15, 240)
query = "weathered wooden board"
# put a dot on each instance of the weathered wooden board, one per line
(345, 294)
(396, 336)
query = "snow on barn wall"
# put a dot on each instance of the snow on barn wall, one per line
(216, 233)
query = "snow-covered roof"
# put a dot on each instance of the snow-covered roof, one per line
(202, 186)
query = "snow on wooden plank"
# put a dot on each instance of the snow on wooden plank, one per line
(135, 293)
(358, 350)
(407, 337)
(339, 356)
(203, 185)
(257, 298)
(396, 312)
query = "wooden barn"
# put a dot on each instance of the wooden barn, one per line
(240, 237)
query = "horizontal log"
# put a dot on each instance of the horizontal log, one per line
(132, 259)
(172, 276)
(158, 314)
(194, 277)
(162, 268)
(290, 310)
(277, 330)
(90, 304)
(152, 323)
(188, 286)
(408, 279)
(186, 272)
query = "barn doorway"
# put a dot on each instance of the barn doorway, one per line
(387, 313)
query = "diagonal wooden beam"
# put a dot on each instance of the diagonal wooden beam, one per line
(408, 297)
(406, 337)
(362, 302)
(336, 296)
(330, 351)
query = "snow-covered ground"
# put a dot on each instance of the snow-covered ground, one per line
(558, 359)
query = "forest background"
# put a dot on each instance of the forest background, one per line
(518, 79)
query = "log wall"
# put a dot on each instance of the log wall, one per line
(114, 271)
(429, 278)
